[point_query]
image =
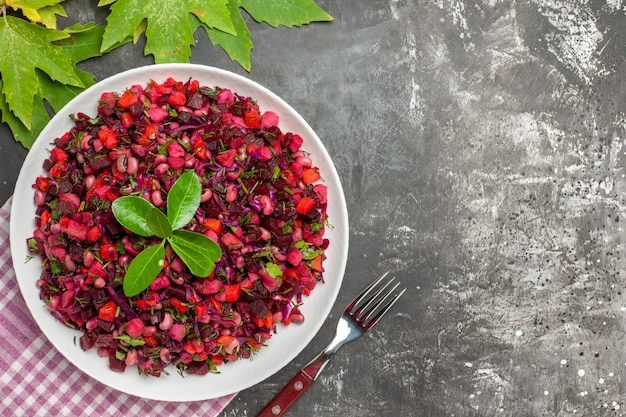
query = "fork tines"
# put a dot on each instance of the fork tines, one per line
(372, 303)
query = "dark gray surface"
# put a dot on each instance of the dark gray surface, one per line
(481, 148)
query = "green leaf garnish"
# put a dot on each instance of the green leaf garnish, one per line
(274, 270)
(143, 269)
(131, 212)
(183, 199)
(139, 216)
(196, 250)
(158, 223)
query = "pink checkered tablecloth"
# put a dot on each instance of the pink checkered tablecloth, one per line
(36, 380)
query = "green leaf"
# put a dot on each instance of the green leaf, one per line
(183, 199)
(168, 32)
(21, 134)
(143, 269)
(158, 223)
(38, 10)
(285, 12)
(49, 14)
(237, 46)
(130, 341)
(197, 251)
(131, 211)
(83, 43)
(26, 46)
(274, 270)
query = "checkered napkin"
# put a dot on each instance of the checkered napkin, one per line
(36, 380)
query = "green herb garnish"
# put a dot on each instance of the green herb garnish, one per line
(139, 216)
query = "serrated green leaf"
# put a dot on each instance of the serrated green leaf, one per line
(38, 10)
(158, 223)
(168, 32)
(285, 12)
(26, 46)
(83, 42)
(21, 134)
(197, 251)
(140, 30)
(183, 199)
(49, 15)
(143, 269)
(131, 211)
(81, 45)
(237, 46)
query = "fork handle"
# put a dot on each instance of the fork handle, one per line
(287, 396)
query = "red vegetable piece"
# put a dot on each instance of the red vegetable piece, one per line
(179, 306)
(108, 252)
(93, 234)
(305, 205)
(59, 155)
(232, 293)
(44, 220)
(108, 311)
(177, 99)
(127, 99)
(76, 230)
(252, 119)
(310, 175)
(43, 184)
(108, 137)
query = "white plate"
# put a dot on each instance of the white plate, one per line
(233, 377)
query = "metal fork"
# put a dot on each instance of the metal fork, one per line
(361, 315)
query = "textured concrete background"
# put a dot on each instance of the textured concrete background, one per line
(481, 147)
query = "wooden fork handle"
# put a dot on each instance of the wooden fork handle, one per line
(287, 396)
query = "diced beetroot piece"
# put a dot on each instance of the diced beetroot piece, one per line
(86, 341)
(294, 256)
(235, 121)
(134, 328)
(97, 270)
(176, 163)
(116, 364)
(294, 142)
(177, 332)
(321, 192)
(175, 150)
(270, 283)
(160, 282)
(227, 159)
(198, 368)
(263, 153)
(157, 114)
(207, 286)
(76, 230)
(226, 97)
(269, 119)
(102, 191)
(59, 155)
(231, 241)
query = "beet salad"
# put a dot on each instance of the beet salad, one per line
(260, 201)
